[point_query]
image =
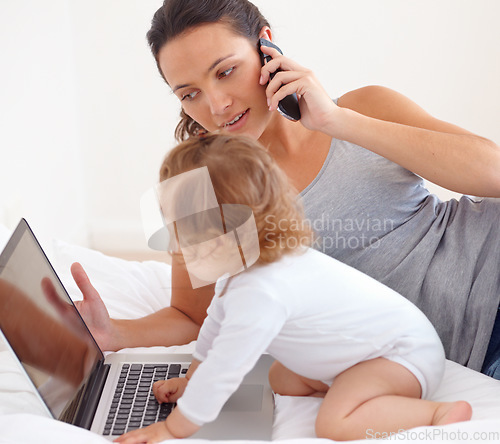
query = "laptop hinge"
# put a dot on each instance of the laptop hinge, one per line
(92, 397)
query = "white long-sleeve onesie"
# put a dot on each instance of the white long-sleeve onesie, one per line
(315, 315)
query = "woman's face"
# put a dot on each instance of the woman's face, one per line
(215, 74)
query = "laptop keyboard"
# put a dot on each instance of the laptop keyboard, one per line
(134, 404)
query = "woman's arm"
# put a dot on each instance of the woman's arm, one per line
(174, 325)
(394, 127)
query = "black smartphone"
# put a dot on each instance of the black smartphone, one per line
(289, 106)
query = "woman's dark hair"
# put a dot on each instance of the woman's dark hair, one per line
(177, 16)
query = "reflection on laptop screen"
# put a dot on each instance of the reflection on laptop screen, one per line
(42, 326)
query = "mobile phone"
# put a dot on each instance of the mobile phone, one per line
(289, 106)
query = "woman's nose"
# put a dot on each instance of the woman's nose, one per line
(218, 101)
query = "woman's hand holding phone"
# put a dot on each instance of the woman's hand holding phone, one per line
(317, 109)
(288, 106)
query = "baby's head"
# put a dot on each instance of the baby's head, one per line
(242, 172)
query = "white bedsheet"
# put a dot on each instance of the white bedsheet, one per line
(133, 289)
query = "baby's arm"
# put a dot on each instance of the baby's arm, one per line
(176, 425)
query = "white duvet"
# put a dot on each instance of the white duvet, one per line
(133, 289)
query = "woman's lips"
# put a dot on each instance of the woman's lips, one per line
(237, 122)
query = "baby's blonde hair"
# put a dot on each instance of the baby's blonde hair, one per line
(242, 172)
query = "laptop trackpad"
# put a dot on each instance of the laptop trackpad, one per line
(248, 398)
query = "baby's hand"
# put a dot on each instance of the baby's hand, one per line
(154, 433)
(170, 390)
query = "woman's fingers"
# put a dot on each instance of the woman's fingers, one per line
(92, 305)
(92, 309)
(278, 62)
(83, 282)
(284, 84)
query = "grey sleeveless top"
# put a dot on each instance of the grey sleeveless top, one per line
(378, 217)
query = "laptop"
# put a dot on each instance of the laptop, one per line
(74, 381)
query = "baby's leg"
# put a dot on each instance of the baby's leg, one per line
(378, 397)
(285, 382)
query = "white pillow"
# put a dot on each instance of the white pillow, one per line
(129, 289)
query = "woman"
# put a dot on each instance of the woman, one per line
(358, 163)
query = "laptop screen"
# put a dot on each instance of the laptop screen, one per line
(42, 325)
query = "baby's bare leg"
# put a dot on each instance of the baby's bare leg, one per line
(378, 397)
(285, 382)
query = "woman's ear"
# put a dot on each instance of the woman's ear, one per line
(266, 33)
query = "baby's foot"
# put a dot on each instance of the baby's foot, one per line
(450, 412)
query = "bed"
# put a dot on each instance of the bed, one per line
(133, 289)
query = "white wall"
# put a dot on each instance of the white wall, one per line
(40, 174)
(87, 118)
(127, 115)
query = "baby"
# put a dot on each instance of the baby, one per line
(335, 333)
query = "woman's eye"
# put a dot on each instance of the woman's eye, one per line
(225, 73)
(189, 96)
